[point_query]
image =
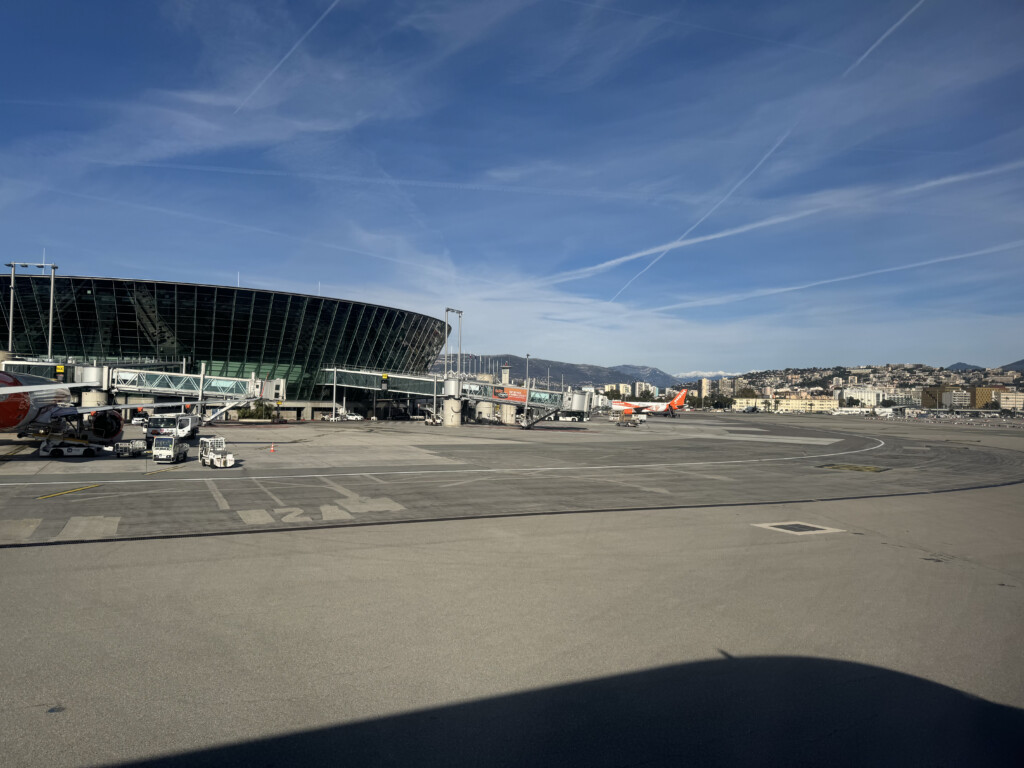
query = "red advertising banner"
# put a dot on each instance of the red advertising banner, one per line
(510, 394)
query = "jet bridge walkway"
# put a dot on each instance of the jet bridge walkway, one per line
(542, 403)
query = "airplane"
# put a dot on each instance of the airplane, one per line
(630, 407)
(34, 404)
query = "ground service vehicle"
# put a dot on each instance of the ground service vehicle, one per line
(183, 425)
(213, 452)
(129, 448)
(169, 450)
(623, 419)
(57, 447)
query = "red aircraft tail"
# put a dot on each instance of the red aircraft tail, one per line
(679, 400)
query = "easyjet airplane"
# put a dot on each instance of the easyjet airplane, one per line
(668, 409)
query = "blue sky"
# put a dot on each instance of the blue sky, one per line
(698, 186)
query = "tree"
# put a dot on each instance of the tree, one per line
(747, 392)
(261, 409)
(888, 403)
(852, 402)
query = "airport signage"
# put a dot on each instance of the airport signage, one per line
(510, 394)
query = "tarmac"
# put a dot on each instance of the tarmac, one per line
(577, 594)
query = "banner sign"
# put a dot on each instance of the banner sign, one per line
(510, 394)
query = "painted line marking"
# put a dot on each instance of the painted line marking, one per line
(264, 489)
(503, 470)
(340, 489)
(222, 503)
(255, 516)
(331, 512)
(13, 452)
(72, 490)
(93, 527)
(158, 471)
(18, 530)
(293, 515)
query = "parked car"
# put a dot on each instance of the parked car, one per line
(353, 417)
(140, 419)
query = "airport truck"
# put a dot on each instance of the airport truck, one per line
(168, 449)
(181, 425)
(213, 452)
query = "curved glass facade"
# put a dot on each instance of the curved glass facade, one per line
(236, 331)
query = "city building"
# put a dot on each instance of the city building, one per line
(1009, 400)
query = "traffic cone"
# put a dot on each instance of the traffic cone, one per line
(271, 447)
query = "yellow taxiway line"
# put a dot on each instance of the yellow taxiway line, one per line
(73, 490)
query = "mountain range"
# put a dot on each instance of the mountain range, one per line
(577, 374)
(555, 371)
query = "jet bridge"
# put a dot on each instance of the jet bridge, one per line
(537, 404)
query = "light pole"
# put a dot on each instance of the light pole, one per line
(334, 394)
(459, 313)
(446, 335)
(526, 405)
(10, 329)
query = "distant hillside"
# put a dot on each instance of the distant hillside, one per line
(711, 375)
(654, 376)
(964, 367)
(1018, 366)
(577, 374)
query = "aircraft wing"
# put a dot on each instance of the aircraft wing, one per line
(71, 410)
(44, 387)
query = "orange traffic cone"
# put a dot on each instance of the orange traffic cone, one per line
(271, 447)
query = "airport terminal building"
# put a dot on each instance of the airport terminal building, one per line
(236, 331)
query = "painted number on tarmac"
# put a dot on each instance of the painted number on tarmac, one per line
(342, 510)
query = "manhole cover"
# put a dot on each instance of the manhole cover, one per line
(854, 467)
(797, 528)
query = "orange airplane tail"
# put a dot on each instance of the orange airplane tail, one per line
(679, 400)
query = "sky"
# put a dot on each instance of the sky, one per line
(687, 185)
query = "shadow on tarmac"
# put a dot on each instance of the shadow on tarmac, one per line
(784, 711)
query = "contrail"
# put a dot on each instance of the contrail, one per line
(878, 42)
(579, 274)
(584, 272)
(285, 57)
(734, 297)
(771, 151)
(713, 208)
(958, 178)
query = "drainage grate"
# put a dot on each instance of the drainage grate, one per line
(798, 528)
(854, 467)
